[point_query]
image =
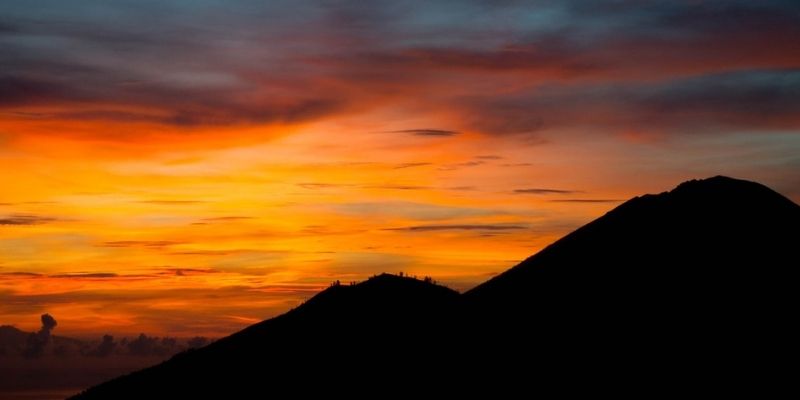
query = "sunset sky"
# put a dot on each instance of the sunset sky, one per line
(192, 167)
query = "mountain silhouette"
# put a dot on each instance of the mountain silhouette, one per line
(706, 243)
(701, 277)
(378, 326)
(706, 271)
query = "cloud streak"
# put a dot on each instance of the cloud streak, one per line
(323, 185)
(152, 244)
(705, 104)
(186, 73)
(544, 191)
(25, 219)
(587, 201)
(428, 132)
(457, 227)
(227, 218)
(172, 202)
(87, 275)
(412, 165)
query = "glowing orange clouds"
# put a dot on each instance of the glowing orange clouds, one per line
(222, 165)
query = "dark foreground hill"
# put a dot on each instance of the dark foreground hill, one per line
(377, 331)
(672, 288)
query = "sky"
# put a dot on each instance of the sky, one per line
(189, 168)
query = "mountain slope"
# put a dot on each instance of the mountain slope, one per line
(704, 233)
(705, 268)
(702, 276)
(377, 326)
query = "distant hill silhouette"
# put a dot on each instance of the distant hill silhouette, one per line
(14, 341)
(664, 289)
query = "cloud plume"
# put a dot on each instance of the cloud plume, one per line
(37, 342)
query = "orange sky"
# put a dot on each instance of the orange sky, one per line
(135, 240)
(174, 237)
(199, 181)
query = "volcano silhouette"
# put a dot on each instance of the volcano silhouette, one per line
(664, 289)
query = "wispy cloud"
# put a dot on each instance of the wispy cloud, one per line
(587, 201)
(462, 188)
(411, 165)
(186, 271)
(420, 46)
(396, 187)
(322, 185)
(228, 218)
(25, 219)
(428, 132)
(28, 203)
(21, 273)
(87, 275)
(545, 191)
(207, 253)
(516, 165)
(465, 227)
(324, 230)
(413, 210)
(489, 157)
(74, 275)
(141, 243)
(172, 202)
(465, 164)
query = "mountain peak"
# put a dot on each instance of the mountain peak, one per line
(718, 179)
(387, 284)
(384, 300)
(703, 230)
(384, 289)
(720, 185)
(715, 198)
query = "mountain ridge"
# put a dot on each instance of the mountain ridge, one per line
(686, 274)
(693, 197)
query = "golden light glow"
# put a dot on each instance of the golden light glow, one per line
(135, 237)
